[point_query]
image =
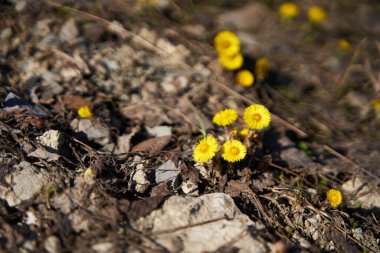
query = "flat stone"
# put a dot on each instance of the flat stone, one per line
(213, 230)
(167, 172)
(52, 139)
(371, 199)
(25, 184)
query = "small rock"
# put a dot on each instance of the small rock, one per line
(52, 244)
(30, 218)
(190, 188)
(69, 73)
(103, 247)
(25, 182)
(159, 131)
(94, 130)
(6, 33)
(20, 5)
(44, 154)
(69, 30)
(372, 197)
(52, 139)
(140, 178)
(168, 172)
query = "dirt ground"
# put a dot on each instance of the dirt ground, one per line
(150, 74)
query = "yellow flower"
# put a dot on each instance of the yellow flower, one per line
(233, 132)
(317, 15)
(344, 45)
(225, 117)
(256, 116)
(262, 67)
(244, 132)
(289, 10)
(245, 78)
(85, 112)
(227, 43)
(233, 151)
(231, 62)
(205, 149)
(375, 104)
(334, 197)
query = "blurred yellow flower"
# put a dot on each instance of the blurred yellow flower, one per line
(334, 197)
(344, 45)
(225, 117)
(244, 132)
(85, 112)
(289, 10)
(205, 149)
(245, 78)
(233, 132)
(233, 151)
(317, 15)
(231, 62)
(227, 43)
(262, 68)
(256, 117)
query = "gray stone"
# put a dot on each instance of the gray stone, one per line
(25, 183)
(187, 224)
(167, 172)
(159, 131)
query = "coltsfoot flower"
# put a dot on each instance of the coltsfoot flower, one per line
(289, 11)
(225, 117)
(205, 149)
(85, 112)
(256, 117)
(334, 197)
(233, 151)
(244, 132)
(227, 43)
(245, 78)
(317, 15)
(231, 62)
(262, 68)
(344, 45)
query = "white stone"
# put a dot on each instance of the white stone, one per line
(69, 30)
(159, 131)
(25, 182)
(52, 139)
(187, 224)
(140, 178)
(190, 188)
(103, 247)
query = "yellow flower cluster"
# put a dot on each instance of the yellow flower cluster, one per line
(85, 112)
(227, 44)
(289, 11)
(334, 197)
(256, 117)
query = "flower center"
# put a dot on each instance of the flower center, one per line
(204, 148)
(256, 117)
(234, 151)
(334, 199)
(226, 44)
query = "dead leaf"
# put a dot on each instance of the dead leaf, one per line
(140, 208)
(72, 101)
(153, 145)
